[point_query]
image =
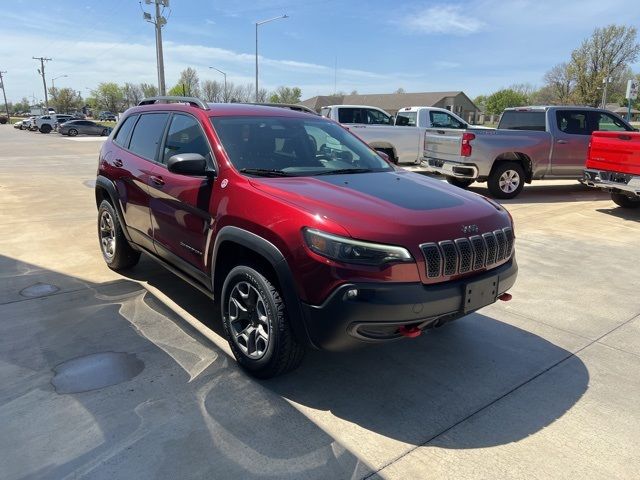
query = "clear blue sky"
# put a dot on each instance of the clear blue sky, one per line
(477, 46)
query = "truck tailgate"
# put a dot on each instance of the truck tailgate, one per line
(443, 144)
(615, 152)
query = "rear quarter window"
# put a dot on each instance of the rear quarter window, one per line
(524, 120)
(121, 136)
(147, 134)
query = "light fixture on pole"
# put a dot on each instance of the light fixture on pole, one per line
(159, 21)
(606, 81)
(53, 80)
(257, 25)
(225, 81)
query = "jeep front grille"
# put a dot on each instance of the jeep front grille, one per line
(462, 255)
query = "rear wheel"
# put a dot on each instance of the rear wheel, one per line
(73, 132)
(625, 202)
(506, 180)
(116, 251)
(257, 325)
(46, 128)
(460, 182)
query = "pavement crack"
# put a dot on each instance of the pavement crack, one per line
(496, 400)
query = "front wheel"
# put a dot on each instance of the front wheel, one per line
(73, 132)
(625, 202)
(506, 180)
(45, 128)
(460, 182)
(116, 251)
(257, 325)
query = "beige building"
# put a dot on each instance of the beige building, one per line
(457, 102)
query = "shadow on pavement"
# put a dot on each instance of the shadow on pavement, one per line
(193, 413)
(536, 193)
(631, 214)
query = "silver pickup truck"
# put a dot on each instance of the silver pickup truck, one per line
(530, 143)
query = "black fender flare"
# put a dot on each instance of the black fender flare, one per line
(276, 259)
(106, 184)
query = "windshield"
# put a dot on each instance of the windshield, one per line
(284, 146)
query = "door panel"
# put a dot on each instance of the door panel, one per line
(570, 142)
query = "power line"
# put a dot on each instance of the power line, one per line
(44, 81)
(4, 94)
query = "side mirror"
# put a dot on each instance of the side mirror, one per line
(192, 164)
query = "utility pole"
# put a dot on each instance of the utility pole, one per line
(44, 81)
(159, 21)
(4, 94)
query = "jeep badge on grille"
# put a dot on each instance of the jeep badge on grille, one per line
(470, 229)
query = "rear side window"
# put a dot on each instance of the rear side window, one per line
(573, 122)
(185, 136)
(351, 115)
(122, 135)
(523, 120)
(147, 135)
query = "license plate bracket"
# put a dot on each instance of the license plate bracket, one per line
(480, 293)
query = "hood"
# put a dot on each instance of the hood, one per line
(398, 208)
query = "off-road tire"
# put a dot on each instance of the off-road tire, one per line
(625, 202)
(500, 173)
(460, 182)
(123, 256)
(283, 352)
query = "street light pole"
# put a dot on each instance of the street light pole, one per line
(225, 81)
(53, 80)
(257, 25)
(4, 94)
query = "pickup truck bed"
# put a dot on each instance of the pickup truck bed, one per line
(613, 164)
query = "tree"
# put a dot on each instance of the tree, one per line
(606, 53)
(545, 95)
(505, 98)
(188, 84)
(65, 100)
(148, 90)
(560, 81)
(21, 106)
(109, 96)
(263, 95)
(242, 93)
(354, 92)
(400, 90)
(481, 102)
(286, 95)
(213, 91)
(132, 94)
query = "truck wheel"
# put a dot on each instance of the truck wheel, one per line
(460, 182)
(115, 248)
(46, 128)
(506, 180)
(257, 325)
(625, 202)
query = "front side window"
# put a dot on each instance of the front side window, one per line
(147, 135)
(281, 146)
(185, 136)
(325, 111)
(407, 119)
(608, 123)
(375, 117)
(444, 120)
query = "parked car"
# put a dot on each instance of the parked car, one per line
(530, 143)
(304, 234)
(107, 116)
(83, 127)
(29, 123)
(402, 137)
(47, 123)
(613, 164)
(18, 124)
(3, 119)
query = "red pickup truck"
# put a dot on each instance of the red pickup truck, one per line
(613, 164)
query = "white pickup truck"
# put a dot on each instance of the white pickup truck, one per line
(402, 137)
(47, 123)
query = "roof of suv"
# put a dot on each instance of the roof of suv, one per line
(223, 109)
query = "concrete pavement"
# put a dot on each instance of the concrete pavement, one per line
(545, 386)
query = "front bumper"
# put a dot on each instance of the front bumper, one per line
(612, 181)
(450, 169)
(378, 310)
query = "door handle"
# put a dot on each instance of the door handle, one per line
(157, 180)
(117, 162)
(562, 142)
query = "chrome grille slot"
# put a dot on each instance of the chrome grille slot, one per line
(508, 232)
(465, 254)
(502, 244)
(492, 247)
(450, 255)
(432, 258)
(479, 252)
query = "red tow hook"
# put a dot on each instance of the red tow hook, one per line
(505, 297)
(409, 332)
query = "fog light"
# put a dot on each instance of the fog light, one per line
(353, 293)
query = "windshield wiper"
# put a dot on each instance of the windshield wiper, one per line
(266, 172)
(345, 170)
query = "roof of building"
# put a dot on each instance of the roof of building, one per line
(386, 101)
(615, 108)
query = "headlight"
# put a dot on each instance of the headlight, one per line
(347, 250)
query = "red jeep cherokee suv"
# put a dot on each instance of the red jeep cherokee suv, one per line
(303, 234)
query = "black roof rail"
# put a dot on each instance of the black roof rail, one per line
(196, 102)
